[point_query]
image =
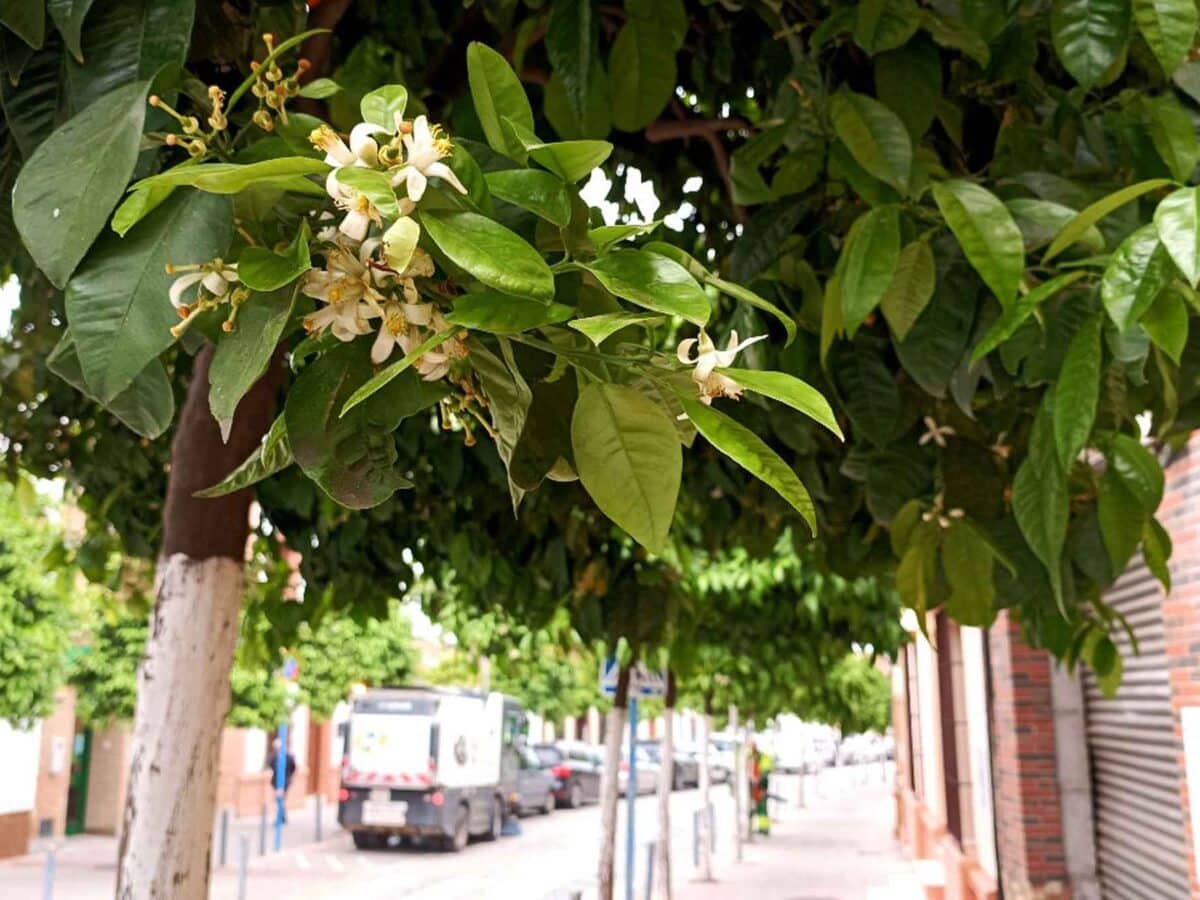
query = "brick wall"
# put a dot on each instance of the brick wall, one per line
(1024, 769)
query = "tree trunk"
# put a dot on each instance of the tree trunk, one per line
(608, 785)
(706, 842)
(735, 782)
(662, 855)
(183, 679)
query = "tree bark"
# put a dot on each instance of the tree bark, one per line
(183, 680)
(706, 843)
(662, 855)
(608, 785)
(735, 782)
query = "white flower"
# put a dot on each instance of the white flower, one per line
(214, 277)
(347, 284)
(425, 148)
(935, 433)
(708, 359)
(363, 149)
(394, 329)
(360, 212)
(940, 515)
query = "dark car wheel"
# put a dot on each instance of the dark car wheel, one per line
(575, 796)
(548, 806)
(462, 834)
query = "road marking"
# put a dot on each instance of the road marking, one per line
(364, 863)
(302, 861)
(334, 863)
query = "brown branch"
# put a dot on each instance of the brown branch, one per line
(708, 130)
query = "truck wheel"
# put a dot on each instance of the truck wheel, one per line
(458, 840)
(367, 840)
(496, 822)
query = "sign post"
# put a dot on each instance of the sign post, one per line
(643, 682)
(291, 671)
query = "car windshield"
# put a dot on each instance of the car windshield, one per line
(548, 756)
(653, 751)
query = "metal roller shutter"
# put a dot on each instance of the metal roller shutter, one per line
(1140, 844)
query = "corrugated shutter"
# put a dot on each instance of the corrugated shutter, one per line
(1140, 844)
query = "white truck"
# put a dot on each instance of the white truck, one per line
(432, 763)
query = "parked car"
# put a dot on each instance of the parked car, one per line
(535, 785)
(576, 768)
(646, 776)
(686, 771)
(721, 759)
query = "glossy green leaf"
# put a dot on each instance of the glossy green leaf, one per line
(66, 190)
(498, 94)
(605, 236)
(791, 391)
(286, 173)
(1166, 322)
(641, 70)
(884, 24)
(570, 160)
(1122, 519)
(1177, 219)
(1087, 218)
(868, 263)
(597, 118)
(542, 193)
(951, 31)
(1089, 36)
(1138, 469)
(1040, 220)
(321, 89)
(502, 314)
(875, 137)
(1156, 549)
(261, 269)
(273, 455)
(969, 563)
(987, 233)
(1173, 135)
(508, 398)
(400, 242)
(572, 43)
(1040, 499)
(1013, 317)
(136, 206)
(909, 82)
(1077, 392)
(599, 328)
(374, 185)
(1136, 274)
(392, 371)
(751, 452)
(917, 572)
(868, 392)
(911, 288)
(653, 282)
(243, 354)
(383, 105)
(117, 303)
(26, 19)
(629, 460)
(68, 16)
(497, 257)
(1169, 27)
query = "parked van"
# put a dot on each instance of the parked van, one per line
(439, 764)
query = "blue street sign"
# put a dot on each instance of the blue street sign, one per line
(643, 682)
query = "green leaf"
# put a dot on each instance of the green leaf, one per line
(629, 460)
(875, 137)
(383, 105)
(273, 455)
(885, 24)
(1173, 135)
(1166, 322)
(321, 89)
(32, 105)
(391, 372)
(597, 118)
(286, 173)
(868, 392)
(953, 32)
(1156, 549)
(117, 303)
(572, 43)
(789, 390)
(146, 406)
(68, 16)
(917, 572)
(542, 193)
(968, 563)
(1015, 315)
(491, 253)
(1090, 36)
(868, 263)
(1138, 469)
(988, 235)
(599, 328)
(374, 185)
(751, 452)
(1040, 499)
(641, 67)
(26, 19)
(1079, 226)
(497, 94)
(243, 354)
(1136, 274)
(400, 242)
(1041, 220)
(653, 282)
(1177, 219)
(1169, 27)
(911, 288)
(570, 160)
(1121, 520)
(508, 399)
(65, 191)
(351, 456)
(1077, 392)
(909, 82)
(136, 206)
(605, 236)
(262, 270)
(501, 314)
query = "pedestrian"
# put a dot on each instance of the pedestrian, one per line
(289, 769)
(760, 774)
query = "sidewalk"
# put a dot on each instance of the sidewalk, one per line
(838, 847)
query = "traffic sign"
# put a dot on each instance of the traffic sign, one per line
(643, 682)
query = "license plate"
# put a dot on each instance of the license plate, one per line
(387, 812)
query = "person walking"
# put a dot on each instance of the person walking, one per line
(289, 769)
(760, 774)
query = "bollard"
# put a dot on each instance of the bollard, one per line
(650, 851)
(243, 861)
(317, 820)
(262, 832)
(712, 827)
(48, 876)
(696, 839)
(223, 850)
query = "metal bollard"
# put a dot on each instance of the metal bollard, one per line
(262, 832)
(48, 876)
(712, 827)
(223, 849)
(696, 839)
(317, 820)
(650, 858)
(243, 861)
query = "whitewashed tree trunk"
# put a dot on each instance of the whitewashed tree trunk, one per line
(735, 783)
(706, 843)
(608, 800)
(666, 779)
(183, 698)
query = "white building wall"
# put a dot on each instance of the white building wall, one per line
(974, 674)
(18, 778)
(931, 756)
